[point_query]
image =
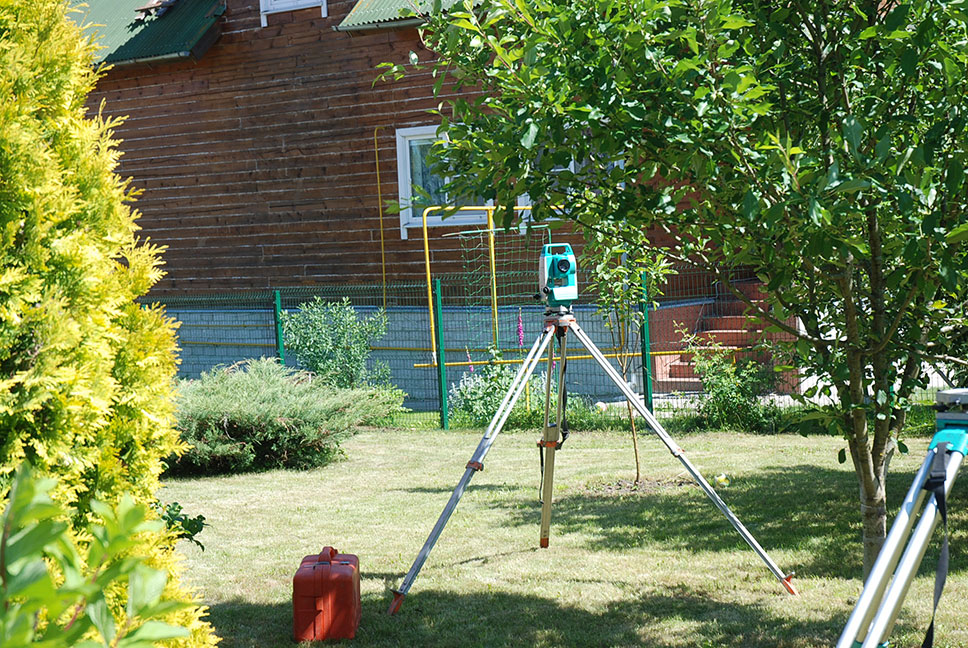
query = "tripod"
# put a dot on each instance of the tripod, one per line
(877, 608)
(558, 324)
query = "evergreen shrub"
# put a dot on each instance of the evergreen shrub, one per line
(85, 372)
(259, 414)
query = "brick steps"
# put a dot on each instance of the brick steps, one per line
(732, 323)
(724, 323)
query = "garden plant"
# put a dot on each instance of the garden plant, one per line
(733, 388)
(476, 397)
(623, 273)
(47, 573)
(333, 341)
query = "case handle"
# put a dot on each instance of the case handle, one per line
(327, 554)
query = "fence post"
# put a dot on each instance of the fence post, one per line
(441, 356)
(646, 344)
(277, 316)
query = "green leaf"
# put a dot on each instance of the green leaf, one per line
(751, 205)
(909, 61)
(735, 22)
(883, 148)
(842, 456)
(897, 17)
(152, 631)
(145, 586)
(527, 140)
(26, 578)
(853, 133)
(955, 176)
(848, 186)
(814, 211)
(32, 540)
(903, 448)
(958, 234)
(462, 23)
(97, 610)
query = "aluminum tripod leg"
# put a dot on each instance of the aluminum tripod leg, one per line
(679, 454)
(877, 581)
(477, 460)
(549, 441)
(883, 621)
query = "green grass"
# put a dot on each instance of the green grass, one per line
(660, 567)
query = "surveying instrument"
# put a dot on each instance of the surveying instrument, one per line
(558, 289)
(874, 615)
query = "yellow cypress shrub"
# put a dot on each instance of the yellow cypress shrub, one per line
(86, 374)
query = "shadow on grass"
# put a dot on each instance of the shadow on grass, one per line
(678, 617)
(438, 490)
(801, 507)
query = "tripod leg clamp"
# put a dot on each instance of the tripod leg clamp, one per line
(476, 465)
(549, 444)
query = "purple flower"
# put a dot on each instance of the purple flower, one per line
(520, 329)
(470, 365)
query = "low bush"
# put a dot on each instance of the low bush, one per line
(259, 414)
(333, 341)
(732, 388)
(475, 399)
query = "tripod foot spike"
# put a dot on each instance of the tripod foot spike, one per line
(788, 584)
(543, 543)
(395, 603)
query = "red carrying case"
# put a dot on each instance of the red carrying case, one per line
(326, 597)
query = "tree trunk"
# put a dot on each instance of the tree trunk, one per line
(635, 442)
(874, 513)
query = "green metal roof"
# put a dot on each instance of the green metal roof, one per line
(380, 14)
(127, 36)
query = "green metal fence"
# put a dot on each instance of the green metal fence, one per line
(225, 328)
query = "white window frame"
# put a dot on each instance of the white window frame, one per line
(410, 217)
(267, 7)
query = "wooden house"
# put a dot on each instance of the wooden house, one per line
(263, 148)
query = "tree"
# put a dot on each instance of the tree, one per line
(85, 372)
(821, 145)
(617, 262)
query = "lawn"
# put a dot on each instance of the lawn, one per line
(655, 567)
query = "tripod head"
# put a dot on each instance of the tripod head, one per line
(952, 408)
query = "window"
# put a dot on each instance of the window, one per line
(276, 6)
(413, 147)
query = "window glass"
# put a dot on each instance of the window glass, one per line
(276, 6)
(420, 173)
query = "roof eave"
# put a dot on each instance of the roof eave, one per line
(202, 45)
(161, 58)
(395, 24)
